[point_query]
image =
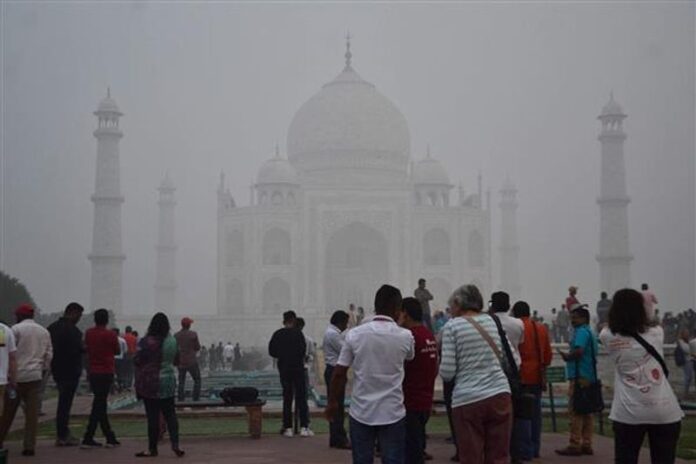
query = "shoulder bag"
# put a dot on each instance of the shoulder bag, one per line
(522, 402)
(587, 399)
(652, 352)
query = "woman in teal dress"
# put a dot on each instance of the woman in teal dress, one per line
(155, 382)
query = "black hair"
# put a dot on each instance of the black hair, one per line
(582, 312)
(627, 313)
(289, 316)
(500, 302)
(300, 323)
(129, 329)
(521, 309)
(159, 326)
(603, 295)
(413, 308)
(101, 316)
(386, 299)
(421, 280)
(116, 331)
(339, 318)
(74, 308)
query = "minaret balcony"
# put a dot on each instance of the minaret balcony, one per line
(107, 198)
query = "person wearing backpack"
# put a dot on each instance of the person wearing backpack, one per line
(644, 402)
(683, 359)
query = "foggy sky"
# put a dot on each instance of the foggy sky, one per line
(498, 88)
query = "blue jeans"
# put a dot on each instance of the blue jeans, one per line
(526, 433)
(392, 438)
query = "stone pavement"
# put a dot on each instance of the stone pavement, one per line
(276, 450)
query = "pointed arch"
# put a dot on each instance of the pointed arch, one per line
(437, 250)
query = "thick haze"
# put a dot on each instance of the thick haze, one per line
(500, 88)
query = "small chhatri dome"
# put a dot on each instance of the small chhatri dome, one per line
(612, 108)
(277, 170)
(108, 104)
(430, 171)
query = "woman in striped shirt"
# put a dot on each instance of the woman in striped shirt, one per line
(481, 404)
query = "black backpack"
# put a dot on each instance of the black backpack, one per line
(236, 395)
(679, 356)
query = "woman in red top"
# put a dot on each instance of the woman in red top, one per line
(535, 353)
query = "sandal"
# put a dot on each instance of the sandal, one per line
(146, 454)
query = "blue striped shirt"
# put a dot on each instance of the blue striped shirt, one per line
(469, 360)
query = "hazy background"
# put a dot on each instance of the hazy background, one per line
(501, 88)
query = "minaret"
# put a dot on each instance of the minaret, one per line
(614, 254)
(165, 281)
(509, 249)
(107, 255)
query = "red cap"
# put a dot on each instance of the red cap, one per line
(24, 310)
(186, 321)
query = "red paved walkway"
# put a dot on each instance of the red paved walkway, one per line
(273, 450)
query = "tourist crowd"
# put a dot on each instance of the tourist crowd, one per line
(492, 364)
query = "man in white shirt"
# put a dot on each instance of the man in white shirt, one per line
(376, 350)
(228, 354)
(34, 353)
(649, 301)
(332, 344)
(8, 362)
(514, 328)
(120, 361)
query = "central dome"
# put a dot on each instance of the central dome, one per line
(349, 126)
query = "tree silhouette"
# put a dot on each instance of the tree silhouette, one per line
(12, 294)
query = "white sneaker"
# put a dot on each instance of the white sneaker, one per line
(306, 432)
(288, 433)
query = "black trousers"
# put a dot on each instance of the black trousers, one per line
(293, 383)
(196, 376)
(66, 393)
(337, 429)
(153, 408)
(628, 439)
(100, 385)
(415, 436)
(447, 389)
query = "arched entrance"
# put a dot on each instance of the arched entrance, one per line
(356, 266)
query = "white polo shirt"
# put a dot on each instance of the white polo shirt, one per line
(377, 350)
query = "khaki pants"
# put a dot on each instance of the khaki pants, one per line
(28, 393)
(581, 425)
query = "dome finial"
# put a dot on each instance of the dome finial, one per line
(348, 54)
(277, 151)
(427, 151)
(108, 91)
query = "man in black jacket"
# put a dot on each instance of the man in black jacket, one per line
(66, 368)
(288, 346)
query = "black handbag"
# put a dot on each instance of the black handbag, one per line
(587, 399)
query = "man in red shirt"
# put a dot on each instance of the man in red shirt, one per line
(572, 299)
(419, 380)
(102, 345)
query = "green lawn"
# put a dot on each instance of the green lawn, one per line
(218, 426)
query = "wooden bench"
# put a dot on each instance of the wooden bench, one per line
(254, 412)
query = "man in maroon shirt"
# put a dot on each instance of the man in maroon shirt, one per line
(102, 345)
(419, 381)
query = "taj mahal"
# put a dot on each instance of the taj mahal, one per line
(344, 208)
